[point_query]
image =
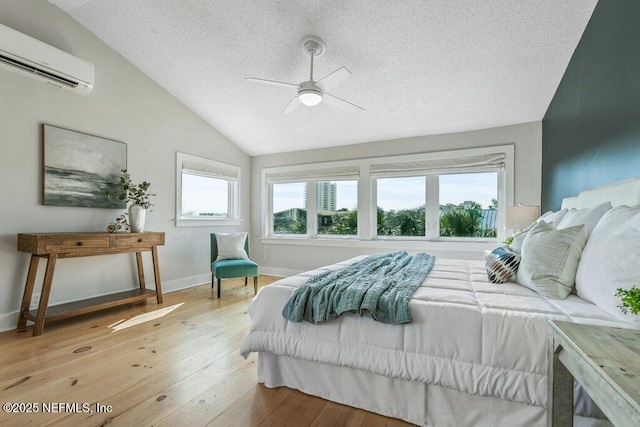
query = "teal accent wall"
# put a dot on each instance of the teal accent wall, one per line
(591, 130)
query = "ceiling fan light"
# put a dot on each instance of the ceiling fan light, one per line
(310, 97)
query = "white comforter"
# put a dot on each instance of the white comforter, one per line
(468, 334)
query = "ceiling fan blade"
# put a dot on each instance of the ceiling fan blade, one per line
(334, 100)
(295, 103)
(271, 82)
(328, 82)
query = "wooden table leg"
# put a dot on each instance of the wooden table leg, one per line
(559, 390)
(156, 273)
(140, 270)
(28, 292)
(44, 295)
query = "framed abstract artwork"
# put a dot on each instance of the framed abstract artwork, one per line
(80, 169)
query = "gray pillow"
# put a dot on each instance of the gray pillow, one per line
(231, 246)
(550, 259)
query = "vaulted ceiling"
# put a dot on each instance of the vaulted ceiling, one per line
(419, 67)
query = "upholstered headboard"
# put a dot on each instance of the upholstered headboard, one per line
(619, 193)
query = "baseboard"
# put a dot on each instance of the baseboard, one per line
(8, 321)
(185, 282)
(279, 272)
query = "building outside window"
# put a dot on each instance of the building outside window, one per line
(337, 207)
(290, 208)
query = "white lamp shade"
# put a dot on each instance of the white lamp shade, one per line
(310, 98)
(521, 216)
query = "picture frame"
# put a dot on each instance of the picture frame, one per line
(79, 169)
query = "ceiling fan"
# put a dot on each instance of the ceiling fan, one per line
(312, 92)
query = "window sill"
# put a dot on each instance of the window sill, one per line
(207, 222)
(458, 244)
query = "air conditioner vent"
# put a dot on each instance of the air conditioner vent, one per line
(25, 55)
(31, 69)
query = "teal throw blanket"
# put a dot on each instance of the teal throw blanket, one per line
(380, 285)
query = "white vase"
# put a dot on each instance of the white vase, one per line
(136, 218)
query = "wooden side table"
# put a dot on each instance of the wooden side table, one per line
(73, 245)
(606, 363)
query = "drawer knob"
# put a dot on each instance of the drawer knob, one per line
(139, 240)
(80, 244)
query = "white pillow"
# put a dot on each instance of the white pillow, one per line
(553, 218)
(589, 217)
(550, 259)
(610, 261)
(231, 246)
(518, 239)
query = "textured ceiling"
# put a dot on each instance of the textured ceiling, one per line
(419, 67)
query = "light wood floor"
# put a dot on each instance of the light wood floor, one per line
(183, 369)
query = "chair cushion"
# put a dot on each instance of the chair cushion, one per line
(234, 268)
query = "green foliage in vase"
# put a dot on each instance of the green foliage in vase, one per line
(135, 194)
(630, 300)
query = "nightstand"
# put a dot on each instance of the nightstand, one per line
(606, 363)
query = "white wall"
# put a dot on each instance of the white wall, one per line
(282, 258)
(125, 105)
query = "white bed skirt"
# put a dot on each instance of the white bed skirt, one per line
(415, 402)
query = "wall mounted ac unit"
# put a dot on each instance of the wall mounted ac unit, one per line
(31, 57)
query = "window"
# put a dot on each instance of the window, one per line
(401, 206)
(289, 208)
(468, 204)
(337, 207)
(312, 201)
(448, 197)
(204, 196)
(437, 196)
(207, 191)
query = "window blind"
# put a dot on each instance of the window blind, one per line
(480, 163)
(313, 174)
(208, 170)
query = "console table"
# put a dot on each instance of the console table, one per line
(606, 363)
(73, 245)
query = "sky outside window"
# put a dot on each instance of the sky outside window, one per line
(481, 188)
(204, 195)
(400, 193)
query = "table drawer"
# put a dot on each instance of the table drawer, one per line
(64, 244)
(139, 240)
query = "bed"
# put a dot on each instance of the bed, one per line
(475, 354)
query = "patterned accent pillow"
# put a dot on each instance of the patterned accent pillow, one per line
(231, 246)
(502, 264)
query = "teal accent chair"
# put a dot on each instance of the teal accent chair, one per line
(229, 268)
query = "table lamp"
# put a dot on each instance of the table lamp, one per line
(521, 216)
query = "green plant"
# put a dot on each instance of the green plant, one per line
(509, 240)
(130, 192)
(461, 223)
(630, 300)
